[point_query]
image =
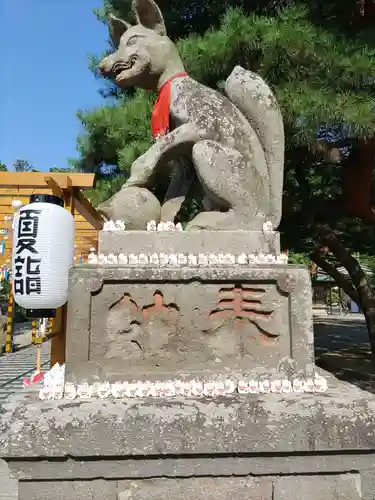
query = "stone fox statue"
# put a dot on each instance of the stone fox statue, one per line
(235, 142)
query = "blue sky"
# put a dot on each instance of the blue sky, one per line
(44, 77)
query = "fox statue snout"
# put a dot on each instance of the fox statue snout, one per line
(126, 68)
(143, 51)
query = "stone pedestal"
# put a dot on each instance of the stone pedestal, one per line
(234, 242)
(156, 324)
(161, 322)
(270, 447)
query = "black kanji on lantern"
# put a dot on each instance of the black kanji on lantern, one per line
(18, 266)
(33, 285)
(32, 266)
(19, 288)
(26, 244)
(27, 277)
(28, 223)
(27, 231)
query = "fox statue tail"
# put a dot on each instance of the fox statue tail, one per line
(253, 97)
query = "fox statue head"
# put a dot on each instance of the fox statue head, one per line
(145, 56)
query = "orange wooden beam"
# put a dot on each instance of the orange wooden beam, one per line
(22, 191)
(56, 189)
(6, 201)
(37, 179)
(84, 207)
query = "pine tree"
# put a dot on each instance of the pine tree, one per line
(22, 166)
(321, 81)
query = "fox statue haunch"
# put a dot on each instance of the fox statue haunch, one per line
(235, 142)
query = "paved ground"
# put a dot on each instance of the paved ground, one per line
(342, 347)
(22, 335)
(14, 367)
(22, 363)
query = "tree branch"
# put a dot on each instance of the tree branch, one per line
(357, 275)
(329, 238)
(341, 280)
(330, 153)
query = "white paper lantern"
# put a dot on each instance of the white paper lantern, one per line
(43, 252)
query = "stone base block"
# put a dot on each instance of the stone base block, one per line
(152, 323)
(271, 447)
(234, 242)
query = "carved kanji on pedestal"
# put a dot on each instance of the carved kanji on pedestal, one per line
(134, 330)
(168, 312)
(243, 304)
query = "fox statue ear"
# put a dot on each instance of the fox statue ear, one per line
(117, 28)
(148, 14)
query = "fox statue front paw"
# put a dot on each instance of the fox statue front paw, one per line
(141, 171)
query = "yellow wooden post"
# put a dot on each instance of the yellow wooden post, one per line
(50, 325)
(10, 324)
(33, 330)
(59, 337)
(38, 358)
(58, 340)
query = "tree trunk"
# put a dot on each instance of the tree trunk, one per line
(357, 180)
(364, 15)
(318, 253)
(357, 275)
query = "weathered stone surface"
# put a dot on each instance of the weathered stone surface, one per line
(341, 419)
(343, 487)
(68, 490)
(8, 483)
(271, 446)
(367, 481)
(196, 465)
(191, 489)
(131, 322)
(236, 143)
(136, 206)
(233, 242)
(250, 94)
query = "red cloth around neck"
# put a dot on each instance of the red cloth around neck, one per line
(160, 113)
